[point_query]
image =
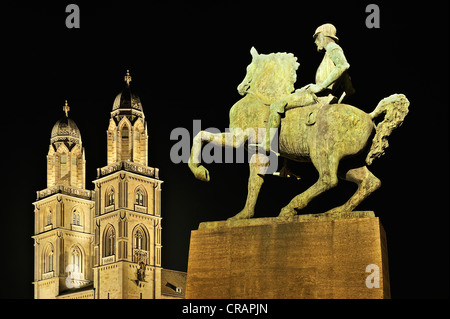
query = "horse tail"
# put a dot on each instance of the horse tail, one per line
(395, 108)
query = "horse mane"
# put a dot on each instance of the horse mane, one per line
(274, 75)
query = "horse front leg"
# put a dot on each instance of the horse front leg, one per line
(199, 171)
(258, 167)
(232, 139)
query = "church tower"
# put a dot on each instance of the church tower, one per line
(63, 236)
(127, 221)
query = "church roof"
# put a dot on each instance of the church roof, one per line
(65, 129)
(173, 283)
(126, 99)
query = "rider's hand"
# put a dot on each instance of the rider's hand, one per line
(278, 106)
(315, 88)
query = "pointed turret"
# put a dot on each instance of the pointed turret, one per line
(65, 159)
(127, 131)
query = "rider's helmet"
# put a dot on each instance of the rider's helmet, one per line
(327, 30)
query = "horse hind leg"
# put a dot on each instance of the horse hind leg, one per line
(367, 184)
(327, 168)
(258, 167)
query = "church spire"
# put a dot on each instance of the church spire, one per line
(66, 109)
(128, 78)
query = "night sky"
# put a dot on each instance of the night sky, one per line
(186, 61)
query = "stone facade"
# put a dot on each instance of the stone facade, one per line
(104, 243)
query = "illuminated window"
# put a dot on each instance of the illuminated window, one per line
(76, 260)
(140, 239)
(110, 197)
(125, 143)
(109, 241)
(49, 217)
(48, 258)
(76, 218)
(140, 196)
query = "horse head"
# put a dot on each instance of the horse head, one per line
(270, 76)
(245, 84)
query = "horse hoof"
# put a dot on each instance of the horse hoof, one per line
(287, 212)
(242, 215)
(202, 174)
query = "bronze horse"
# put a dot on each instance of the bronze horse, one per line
(338, 131)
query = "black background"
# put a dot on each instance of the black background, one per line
(186, 60)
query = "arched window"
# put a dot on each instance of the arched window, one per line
(49, 217)
(75, 266)
(140, 239)
(76, 261)
(140, 246)
(48, 258)
(50, 261)
(140, 198)
(125, 141)
(76, 258)
(63, 165)
(110, 197)
(109, 241)
(76, 218)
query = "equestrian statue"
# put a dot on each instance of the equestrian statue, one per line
(312, 124)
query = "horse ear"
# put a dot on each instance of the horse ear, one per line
(253, 52)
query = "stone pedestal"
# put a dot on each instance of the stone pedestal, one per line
(306, 256)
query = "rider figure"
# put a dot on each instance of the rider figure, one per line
(332, 80)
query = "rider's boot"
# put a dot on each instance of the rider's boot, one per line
(271, 129)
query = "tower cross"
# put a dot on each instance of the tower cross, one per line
(128, 77)
(66, 109)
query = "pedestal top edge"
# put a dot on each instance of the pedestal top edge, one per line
(284, 220)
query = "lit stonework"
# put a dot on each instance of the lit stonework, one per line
(65, 160)
(127, 131)
(63, 217)
(104, 243)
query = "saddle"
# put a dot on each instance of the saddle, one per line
(321, 100)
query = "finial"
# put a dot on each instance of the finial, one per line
(128, 77)
(66, 109)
